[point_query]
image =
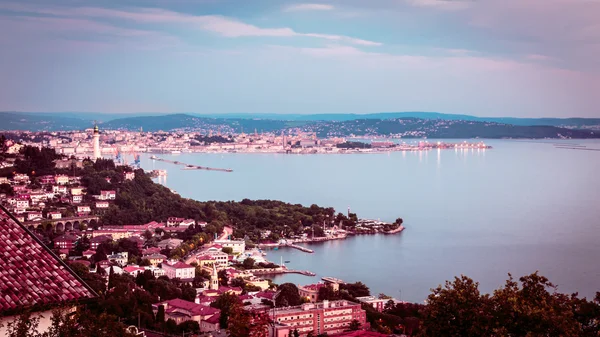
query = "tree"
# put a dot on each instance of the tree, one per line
(288, 295)
(357, 289)
(227, 250)
(148, 234)
(457, 309)
(296, 333)
(225, 302)
(327, 293)
(354, 325)
(160, 314)
(238, 282)
(248, 263)
(223, 279)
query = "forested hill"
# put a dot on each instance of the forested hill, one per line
(431, 125)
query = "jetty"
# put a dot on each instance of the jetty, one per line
(276, 271)
(301, 248)
(189, 166)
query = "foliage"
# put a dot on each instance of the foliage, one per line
(226, 303)
(248, 263)
(354, 325)
(357, 289)
(288, 295)
(36, 161)
(243, 323)
(94, 280)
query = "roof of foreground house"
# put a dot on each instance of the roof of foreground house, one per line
(31, 275)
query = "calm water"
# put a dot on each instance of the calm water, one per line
(518, 208)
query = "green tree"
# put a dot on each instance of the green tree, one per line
(225, 302)
(457, 309)
(160, 314)
(227, 250)
(248, 263)
(354, 325)
(288, 295)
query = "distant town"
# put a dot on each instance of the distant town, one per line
(124, 145)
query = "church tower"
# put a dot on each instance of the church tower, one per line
(214, 278)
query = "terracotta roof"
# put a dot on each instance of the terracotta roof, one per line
(31, 275)
(193, 308)
(214, 319)
(179, 265)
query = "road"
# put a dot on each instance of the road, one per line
(226, 232)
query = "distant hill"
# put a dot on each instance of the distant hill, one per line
(561, 122)
(405, 124)
(41, 122)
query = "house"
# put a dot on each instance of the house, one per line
(66, 241)
(211, 323)
(311, 291)
(54, 215)
(115, 234)
(59, 189)
(4, 180)
(205, 260)
(108, 195)
(221, 259)
(97, 240)
(46, 180)
(33, 216)
(42, 286)
(76, 191)
(377, 303)
(129, 175)
(119, 258)
(179, 270)
(238, 246)
(133, 270)
(77, 199)
(21, 178)
(102, 204)
(173, 221)
(88, 253)
(181, 311)
(22, 204)
(61, 179)
(155, 259)
(169, 243)
(258, 282)
(83, 209)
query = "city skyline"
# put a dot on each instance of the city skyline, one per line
(302, 57)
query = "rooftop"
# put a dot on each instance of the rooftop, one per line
(31, 275)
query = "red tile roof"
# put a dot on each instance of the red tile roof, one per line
(180, 265)
(193, 308)
(31, 275)
(214, 319)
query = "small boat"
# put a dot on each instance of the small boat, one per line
(286, 261)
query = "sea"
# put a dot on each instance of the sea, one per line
(519, 207)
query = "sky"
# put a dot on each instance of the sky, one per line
(521, 58)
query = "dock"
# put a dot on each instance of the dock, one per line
(332, 280)
(189, 166)
(276, 271)
(301, 248)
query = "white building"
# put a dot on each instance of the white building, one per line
(179, 270)
(96, 143)
(238, 246)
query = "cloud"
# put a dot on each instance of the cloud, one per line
(441, 4)
(538, 57)
(222, 25)
(308, 7)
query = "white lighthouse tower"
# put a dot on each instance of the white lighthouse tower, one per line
(96, 142)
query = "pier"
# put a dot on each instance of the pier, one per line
(332, 280)
(189, 166)
(291, 245)
(276, 271)
(304, 249)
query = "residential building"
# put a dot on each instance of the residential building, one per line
(76, 191)
(58, 189)
(174, 221)
(179, 270)
(373, 301)
(33, 216)
(66, 241)
(54, 215)
(119, 258)
(155, 258)
(95, 241)
(311, 291)
(181, 311)
(61, 179)
(238, 246)
(169, 243)
(325, 317)
(108, 195)
(77, 199)
(221, 259)
(129, 175)
(33, 277)
(22, 204)
(134, 270)
(83, 209)
(115, 234)
(102, 204)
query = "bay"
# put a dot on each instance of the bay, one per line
(519, 207)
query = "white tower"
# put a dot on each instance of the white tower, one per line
(96, 142)
(214, 278)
